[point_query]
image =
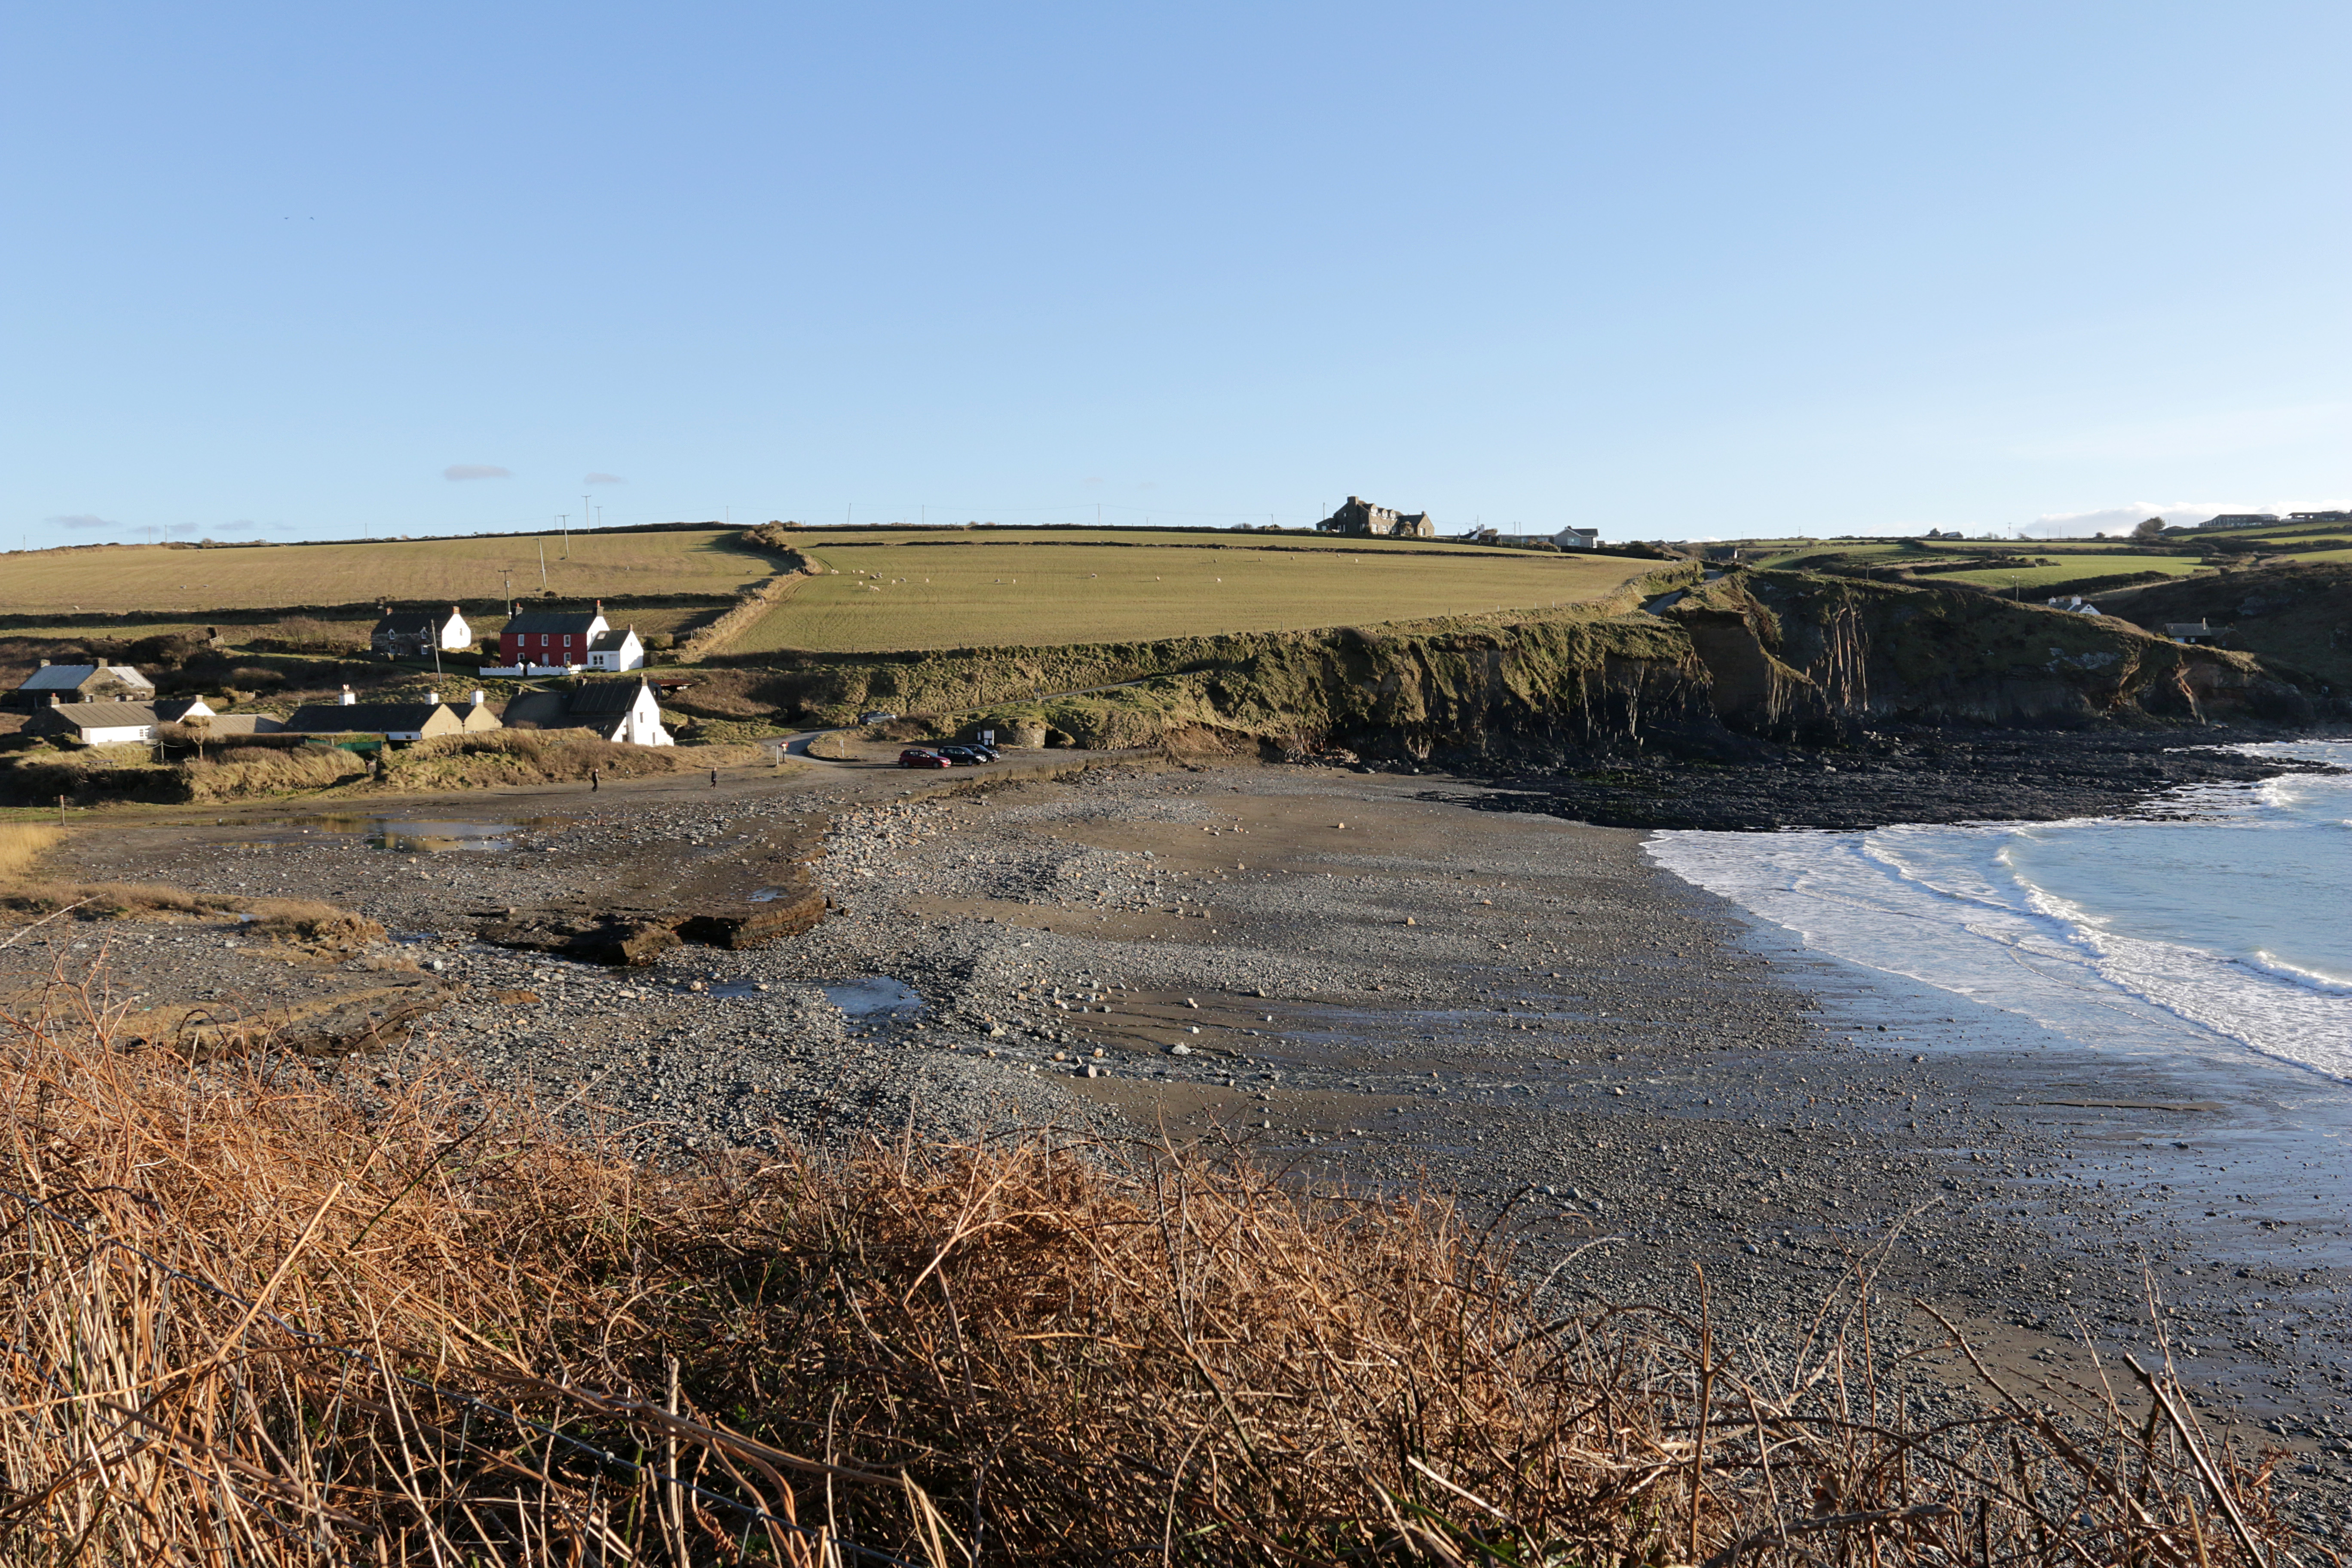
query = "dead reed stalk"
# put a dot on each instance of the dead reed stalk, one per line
(257, 1313)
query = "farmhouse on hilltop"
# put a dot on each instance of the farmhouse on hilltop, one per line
(55, 683)
(1363, 520)
(411, 634)
(624, 710)
(393, 720)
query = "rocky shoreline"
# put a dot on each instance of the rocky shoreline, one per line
(1940, 774)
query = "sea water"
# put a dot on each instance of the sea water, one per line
(2215, 920)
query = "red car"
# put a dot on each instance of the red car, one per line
(913, 758)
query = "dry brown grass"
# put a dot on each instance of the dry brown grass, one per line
(21, 843)
(256, 1316)
(546, 756)
(241, 773)
(305, 922)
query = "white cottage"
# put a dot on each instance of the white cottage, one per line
(616, 652)
(624, 710)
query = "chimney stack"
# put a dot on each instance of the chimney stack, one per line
(434, 697)
(479, 695)
(346, 700)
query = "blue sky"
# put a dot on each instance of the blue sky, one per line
(1671, 271)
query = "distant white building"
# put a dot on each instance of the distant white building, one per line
(1577, 538)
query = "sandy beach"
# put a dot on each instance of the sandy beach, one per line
(1378, 980)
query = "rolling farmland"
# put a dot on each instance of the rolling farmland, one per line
(897, 596)
(143, 579)
(2077, 569)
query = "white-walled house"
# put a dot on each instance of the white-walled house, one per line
(97, 723)
(411, 634)
(624, 710)
(616, 652)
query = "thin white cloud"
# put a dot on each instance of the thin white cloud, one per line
(2121, 519)
(475, 472)
(604, 479)
(210, 530)
(83, 521)
(2176, 513)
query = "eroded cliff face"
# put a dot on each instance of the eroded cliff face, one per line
(1717, 668)
(1791, 654)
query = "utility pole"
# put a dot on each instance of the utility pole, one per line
(543, 565)
(563, 521)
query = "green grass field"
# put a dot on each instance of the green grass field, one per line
(135, 578)
(888, 597)
(2080, 569)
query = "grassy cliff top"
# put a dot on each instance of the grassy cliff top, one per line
(877, 598)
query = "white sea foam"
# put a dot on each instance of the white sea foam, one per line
(2232, 926)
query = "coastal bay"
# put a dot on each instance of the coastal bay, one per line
(1388, 981)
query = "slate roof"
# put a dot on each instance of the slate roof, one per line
(597, 698)
(610, 641)
(542, 710)
(594, 705)
(69, 677)
(362, 717)
(413, 622)
(530, 623)
(97, 715)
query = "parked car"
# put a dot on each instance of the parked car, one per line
(876, 718)
(988, 752)
(914, 757)
(966, 756)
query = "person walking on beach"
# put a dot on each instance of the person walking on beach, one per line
(594, 784)
(714, 778)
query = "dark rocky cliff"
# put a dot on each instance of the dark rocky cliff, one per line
(1713, 667)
